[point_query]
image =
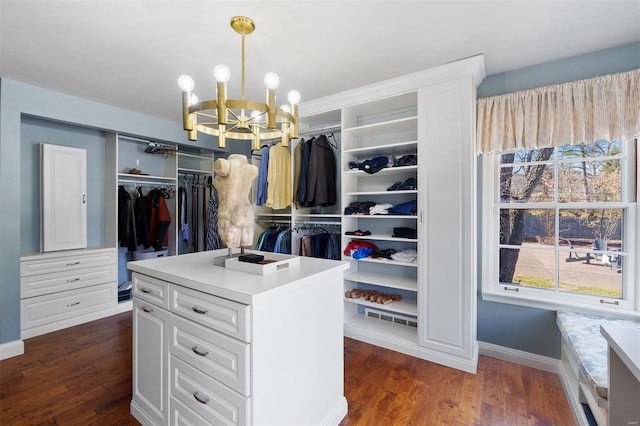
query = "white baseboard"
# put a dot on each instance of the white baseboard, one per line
(11, 349)
(527, 359)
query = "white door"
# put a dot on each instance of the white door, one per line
(63, 218)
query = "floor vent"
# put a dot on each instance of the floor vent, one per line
(391, 317)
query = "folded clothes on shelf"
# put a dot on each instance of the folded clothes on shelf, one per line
(407, 255)
(406, 160)
(408, 185)
(359, 244)
(408, 208)
(373, 165)
(358, 233)
(404, 232)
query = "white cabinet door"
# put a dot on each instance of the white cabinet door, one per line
(447, 297)
(150, 358)
(63, 218)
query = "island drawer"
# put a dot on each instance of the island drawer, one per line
(151, 290)
(225, 316)
(208, 398)
(219, 356)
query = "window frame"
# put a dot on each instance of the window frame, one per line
(493, 290)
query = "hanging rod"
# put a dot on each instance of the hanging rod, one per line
(316, 222)
(333, 128)
(144, 182)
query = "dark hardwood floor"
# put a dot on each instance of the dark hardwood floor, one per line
(82, 376)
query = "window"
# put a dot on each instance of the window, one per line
(559, 226)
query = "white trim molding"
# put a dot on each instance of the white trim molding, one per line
(11, 349)
(515, 356)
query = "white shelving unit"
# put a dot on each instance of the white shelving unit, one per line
(430, 114)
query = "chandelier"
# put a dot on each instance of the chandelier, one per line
(239, 119)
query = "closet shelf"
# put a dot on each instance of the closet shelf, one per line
(400, 283)
(379, 216)
(361, 327)
(182, 170)
(267, 215)
(387, 262)
(399, 148)
(384, 127)
(401, 307)
(381, 237)
(143, 178)
(320, 215)
(381, 192)
(195, 156)
(386, 170)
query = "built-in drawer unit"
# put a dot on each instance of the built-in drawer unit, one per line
(41, 310)
(65, 288)
(225, 316)
(207, 397)
(151, 290)
(63, 262)
(37, 285)
(221, 357)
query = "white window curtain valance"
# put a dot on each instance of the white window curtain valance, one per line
(583, 111)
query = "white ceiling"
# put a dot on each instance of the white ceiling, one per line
(130, 53)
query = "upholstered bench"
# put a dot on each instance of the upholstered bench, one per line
(584, 358)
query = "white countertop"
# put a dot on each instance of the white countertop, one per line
(198, 272)
(625, 341)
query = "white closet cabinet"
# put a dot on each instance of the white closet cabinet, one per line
(63, 218)
(430, 114)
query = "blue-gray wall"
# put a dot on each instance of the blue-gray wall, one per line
(56, 116)
(529, 329)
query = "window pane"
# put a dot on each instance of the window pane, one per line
(590, 181)
(598, 229)
(526, 183)
(596, 274)
(530, 268)
(528, 156)
(530, 226)
(597, 149)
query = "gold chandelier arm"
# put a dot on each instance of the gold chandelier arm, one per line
(203, 106)
(248, 105)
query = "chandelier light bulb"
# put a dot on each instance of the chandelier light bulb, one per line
(293, 97)
(286, 108)
(221, 73)
(255, 114)
(193, 100)
(271, 80)
(186, 83)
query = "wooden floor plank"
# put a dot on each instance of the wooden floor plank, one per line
(82, 376)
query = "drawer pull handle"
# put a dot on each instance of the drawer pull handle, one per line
(198, 352)
(146, 290)
(200, 399)
(73, 280)
(70, 305)
(199, 310)
(73, 263)
(144, 308)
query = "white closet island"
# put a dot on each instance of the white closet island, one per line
(217, 346)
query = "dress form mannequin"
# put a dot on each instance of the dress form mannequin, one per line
(233, 180)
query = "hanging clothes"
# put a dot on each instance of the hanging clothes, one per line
(324, 245)
(297, 169)
(304, 167)
(126, 220)
(261, 197)
(141, 210)
(160, 218)
(276, 240)
(214, 241)
(182, 208)
(279, 178)
(321, 174)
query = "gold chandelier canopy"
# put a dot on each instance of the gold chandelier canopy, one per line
(239, 119)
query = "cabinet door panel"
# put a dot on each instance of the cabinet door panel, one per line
(150, 358)
(63, 216)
